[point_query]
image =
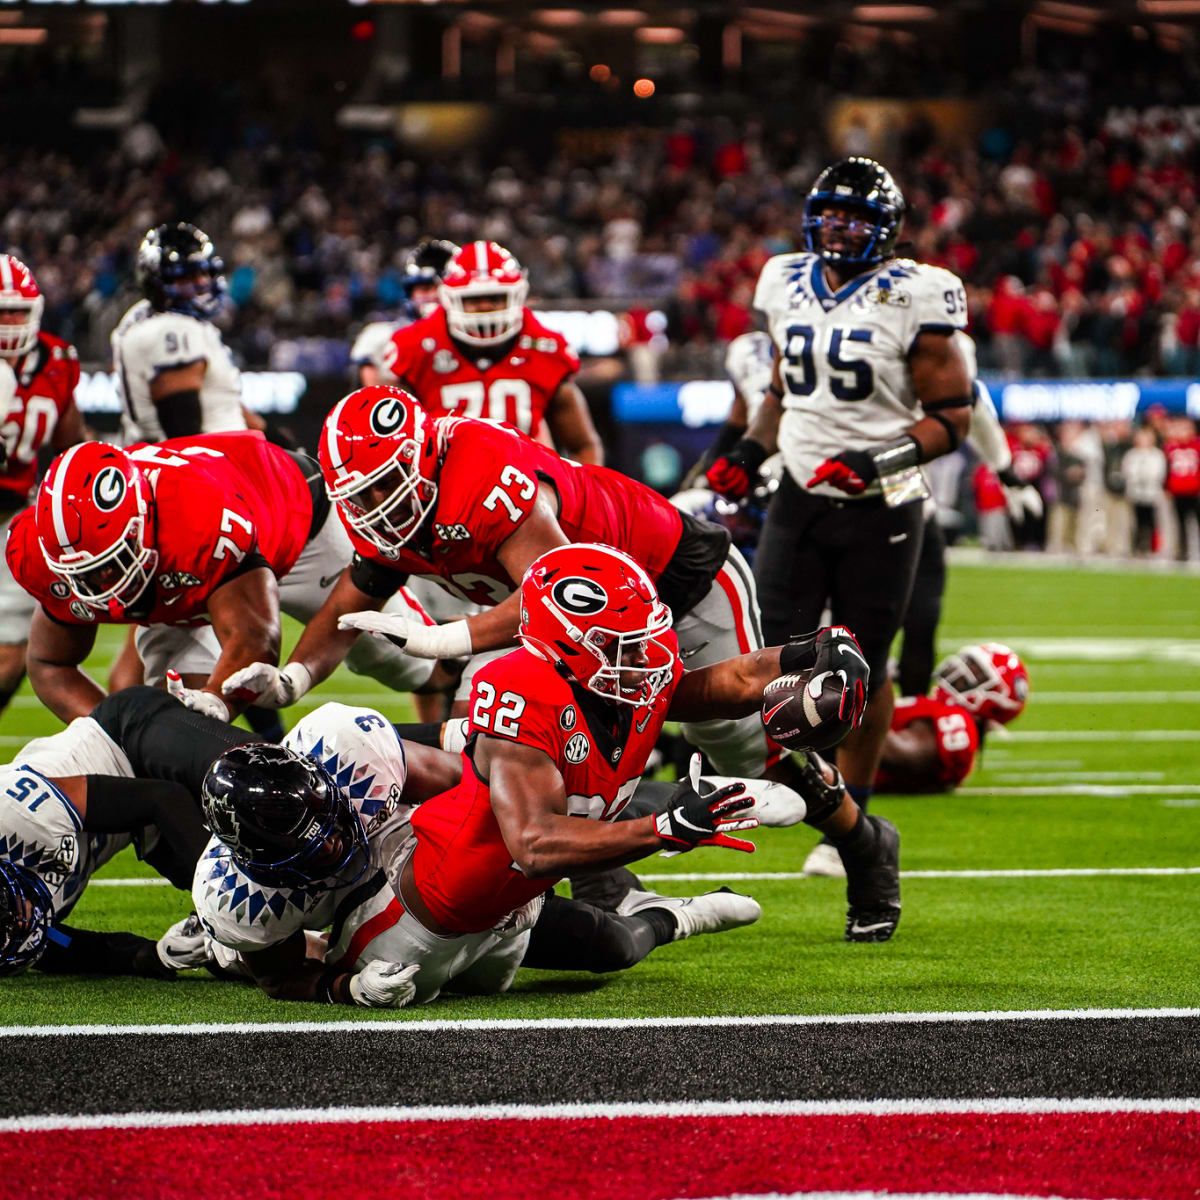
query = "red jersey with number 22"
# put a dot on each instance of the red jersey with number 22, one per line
(487, 487)
(217, 497)
(957, 736)
(516, 388)
(463, 869)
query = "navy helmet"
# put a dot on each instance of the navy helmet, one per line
(285, 821)
(866, 190)
(25, 914)
(179, 270)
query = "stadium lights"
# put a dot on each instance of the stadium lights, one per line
(643, 88)
(659, 35)
(1069, 12)
(1169, 8)
(622, 16)
(558, 16)
(876, 13)
(27, 36)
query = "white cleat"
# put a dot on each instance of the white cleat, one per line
(714, 912)
(185, 945)
(825, 861)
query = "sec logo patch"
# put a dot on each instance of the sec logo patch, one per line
(577, 748)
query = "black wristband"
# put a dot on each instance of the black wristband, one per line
(799, 654)
(950, 428)
(749, 455)
(1009, 477)
(726, 439)
(326, 989)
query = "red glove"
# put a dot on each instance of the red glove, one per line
(728, 479)
(849, 472)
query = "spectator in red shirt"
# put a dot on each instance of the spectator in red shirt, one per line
(992, 510)
(1183, 481)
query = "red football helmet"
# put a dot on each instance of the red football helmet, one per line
(593, 610)
(94, 517)
(19, 294)
(483, 270)
(378, 455)
(989, 681)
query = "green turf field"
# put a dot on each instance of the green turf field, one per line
(1085, 810)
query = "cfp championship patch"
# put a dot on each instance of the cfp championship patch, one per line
(892, 297)
(178, 579)
(445, 362)
(452, 533)
(577, 748)
(566, 718)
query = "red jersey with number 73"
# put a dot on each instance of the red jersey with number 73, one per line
(487, 487)
(217, 497)
(463, 869)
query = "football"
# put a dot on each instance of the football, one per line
(800, 711)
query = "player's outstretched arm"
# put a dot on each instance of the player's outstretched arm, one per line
(245, 617)
(570, 424)
(52, 662)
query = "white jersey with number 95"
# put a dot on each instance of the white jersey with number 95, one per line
(844, 352)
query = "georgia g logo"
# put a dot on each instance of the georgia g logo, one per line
(583, 597)
(388, 415)
(109, 489)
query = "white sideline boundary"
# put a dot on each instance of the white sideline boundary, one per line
(783, 876)
(646, 1110)
(500, 1024)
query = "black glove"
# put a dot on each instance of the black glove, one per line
(832, 649)
(694, 820)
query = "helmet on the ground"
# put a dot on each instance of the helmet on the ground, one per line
(989, 680)
(26, 911)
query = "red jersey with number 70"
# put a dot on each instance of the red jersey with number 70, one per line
(516, 387)
(462, 867)
(217, 498)
(487, 487)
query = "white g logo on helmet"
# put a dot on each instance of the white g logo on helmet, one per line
(109, 489)
(388, 415)
(582, 597)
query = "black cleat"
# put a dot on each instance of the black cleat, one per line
(873, 887)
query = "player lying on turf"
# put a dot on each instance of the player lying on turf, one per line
(68, 803)
(933, 740)
(471, 504)
(198, 541)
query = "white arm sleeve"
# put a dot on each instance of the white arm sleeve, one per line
(986, 434)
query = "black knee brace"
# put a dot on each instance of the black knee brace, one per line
(823, 799)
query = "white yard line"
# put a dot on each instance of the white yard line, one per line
(687, 1109)
(1006, 776)
(1117, 737)
(783, 876)
(1086, 789)
(494, 1025)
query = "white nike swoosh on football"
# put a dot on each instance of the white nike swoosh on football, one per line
(857, 928)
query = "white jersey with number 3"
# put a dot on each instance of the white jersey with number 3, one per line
(146, 343)
(845, 352)
(362, 751)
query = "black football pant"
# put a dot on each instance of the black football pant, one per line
(857, 556)
(919, 648)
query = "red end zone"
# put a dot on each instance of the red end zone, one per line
(1117, 1155)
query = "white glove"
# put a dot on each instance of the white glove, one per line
(1024, 501)
(196, 699)
(413, 637)
(185, 945)
(267, 685)
(382, 984)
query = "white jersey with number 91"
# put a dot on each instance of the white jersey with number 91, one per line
(845, 352)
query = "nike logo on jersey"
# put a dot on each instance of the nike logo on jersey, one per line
(641, 725)
(326, 580)
(772, 711)
(692, 650)
(169, 601)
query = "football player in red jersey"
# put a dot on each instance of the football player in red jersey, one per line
(200, 542)
(38, 376)
(933, 740)
(561, 730)
(470, 504)
(484, 354)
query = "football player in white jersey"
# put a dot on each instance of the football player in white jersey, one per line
(176, 375)
(868, 384)
(68, 803)
(423, 270)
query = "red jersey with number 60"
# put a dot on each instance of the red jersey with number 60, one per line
(463, 869)
(487, 487)
(217, 497)
(956, 731)
(516, 388)
(46, 380)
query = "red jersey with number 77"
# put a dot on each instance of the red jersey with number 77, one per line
(217, 498)
(487, 486)
(515, 388)
(462, 867)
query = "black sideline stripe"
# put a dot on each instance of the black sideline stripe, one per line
(1151, 1058)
